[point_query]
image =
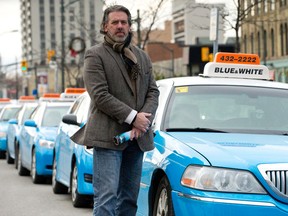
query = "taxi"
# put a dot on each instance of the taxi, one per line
(72, 163)
(221, 143)
(8, 112)
(4, 102)
(15, 124)
(37, 137)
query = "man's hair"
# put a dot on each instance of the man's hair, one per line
(114, 8)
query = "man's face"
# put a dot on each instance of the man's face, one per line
(117, 27)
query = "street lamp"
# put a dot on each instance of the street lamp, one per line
(63, 41)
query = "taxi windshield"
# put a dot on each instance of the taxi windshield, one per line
(9, 113)
(238, 109)
(53, 116)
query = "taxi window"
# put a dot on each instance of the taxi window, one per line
(26, 114)
(9, 113)
(53, 116)
(229, 108)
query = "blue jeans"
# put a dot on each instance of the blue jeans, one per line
(116, 180)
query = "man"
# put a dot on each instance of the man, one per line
(124, 96)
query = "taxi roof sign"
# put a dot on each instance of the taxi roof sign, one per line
(72, 93)
(74, 90)
(234, 65)
(25, 98)
(5, 100)
(237, 58)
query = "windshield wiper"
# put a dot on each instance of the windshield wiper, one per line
(197, 129)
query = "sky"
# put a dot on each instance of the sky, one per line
(10, 29)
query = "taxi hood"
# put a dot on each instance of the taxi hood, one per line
(236, 150)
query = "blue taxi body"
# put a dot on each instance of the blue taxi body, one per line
(220, 149)
(72, 166)
(8, 112)
(14, 127)
(36, 140)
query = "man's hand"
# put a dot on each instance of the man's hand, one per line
(142, 121)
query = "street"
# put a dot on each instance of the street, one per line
(19, 196)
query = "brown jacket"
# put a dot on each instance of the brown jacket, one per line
(112, 97)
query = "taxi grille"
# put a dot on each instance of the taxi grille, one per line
(276, 175)
(279, 178)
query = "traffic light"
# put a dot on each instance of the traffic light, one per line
(24, 65)
(50, 54)
(205, 54)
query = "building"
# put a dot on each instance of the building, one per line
(191, 22)
(264, 31)
(45, 25)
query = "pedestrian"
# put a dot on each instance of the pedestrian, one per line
(124, 96)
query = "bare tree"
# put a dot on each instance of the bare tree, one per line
(151, 15)
(236, 16)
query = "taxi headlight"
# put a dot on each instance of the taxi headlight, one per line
(221, 180)
(2, 134)
(46, 143)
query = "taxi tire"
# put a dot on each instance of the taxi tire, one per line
(36, 179)
(163, 198)
(22, 171)
(58, 188)
(9, 159)
(78, 200)
(16, 155)
(2, 154)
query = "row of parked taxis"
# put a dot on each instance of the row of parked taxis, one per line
(221, 145)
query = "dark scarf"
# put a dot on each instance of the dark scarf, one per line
(128, 56)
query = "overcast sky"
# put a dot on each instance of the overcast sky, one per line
(10, 42)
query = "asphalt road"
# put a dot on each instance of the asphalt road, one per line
(20, 197)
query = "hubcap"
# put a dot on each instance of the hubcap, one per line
(162, 208)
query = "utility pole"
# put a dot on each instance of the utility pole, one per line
(138, 21)
(17, 85)
(63, 47)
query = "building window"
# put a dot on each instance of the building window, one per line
(272, 5)
(252, 43)
(179, 26)
(245, 43)
(282, 39)
(272, 43)
(259, 42)
(264, 44)
(265, 6)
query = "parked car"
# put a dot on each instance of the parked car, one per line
(220, 143)
(15, 124)
(72, 163)
(36, 140)
(8, 112)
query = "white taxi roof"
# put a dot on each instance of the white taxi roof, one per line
(254, 74)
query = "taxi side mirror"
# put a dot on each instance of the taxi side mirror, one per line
(70, 119)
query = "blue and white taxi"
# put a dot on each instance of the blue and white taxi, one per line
(72, 163)
(8, 112)
(37, 137)
(15, 124)
(221, 143)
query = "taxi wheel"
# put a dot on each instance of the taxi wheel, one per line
(2, 154)
(22, 171)
(163, 200)
(9, 159)
(57, 187)
(35, 177)
(77, 199)
(16, 156)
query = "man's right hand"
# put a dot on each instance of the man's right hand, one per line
(142, 121)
